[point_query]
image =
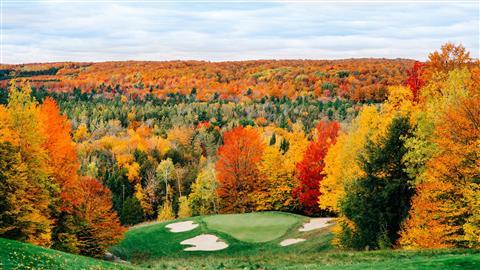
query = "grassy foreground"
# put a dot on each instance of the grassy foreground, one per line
(253, 246)
(16, 255)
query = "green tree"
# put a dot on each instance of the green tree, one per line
(378, 203)
(203, 199)
(132, 212)
(273, 139)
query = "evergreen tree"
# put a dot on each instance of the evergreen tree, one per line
(379, 202)
(273, 139)
(132, 212)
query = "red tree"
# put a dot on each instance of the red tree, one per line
(414, 81)
(237, 169)
(310, 169)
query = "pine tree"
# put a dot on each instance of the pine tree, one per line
(378, 203)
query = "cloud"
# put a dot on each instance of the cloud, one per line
(60, 31)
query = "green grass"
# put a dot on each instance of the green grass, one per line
(17, 255)
(253, 227)
(333, 260)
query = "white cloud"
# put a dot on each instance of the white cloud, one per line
(54, 31)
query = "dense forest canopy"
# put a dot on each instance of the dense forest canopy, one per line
(355, 79)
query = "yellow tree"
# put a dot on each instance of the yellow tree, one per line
(278, 170)
(23, 121)
(203, 199)
(341, 162)
(446, 203)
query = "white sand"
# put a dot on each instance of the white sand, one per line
(291, 241)
(182, 226)
(204, 242)
(316, 223)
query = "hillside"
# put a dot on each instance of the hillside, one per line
(356, 79)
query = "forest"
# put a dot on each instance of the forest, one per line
(389, 147)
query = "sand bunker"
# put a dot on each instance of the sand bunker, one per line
(291, 241)
(204, 242)
(316, 223)
(182, 226)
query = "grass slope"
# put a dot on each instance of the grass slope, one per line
(253, 227)
(17, 255)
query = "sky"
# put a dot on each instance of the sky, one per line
(106, 30)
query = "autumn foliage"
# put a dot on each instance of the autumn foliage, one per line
(44, 201)
(439, 161)
(357, 79)
(61, 152)
(99, 227)
(237, 169)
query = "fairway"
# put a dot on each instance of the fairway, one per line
(253, 227)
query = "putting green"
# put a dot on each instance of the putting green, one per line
(253, 227)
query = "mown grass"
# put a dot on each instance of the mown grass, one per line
(254, 227)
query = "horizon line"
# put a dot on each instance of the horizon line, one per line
(215, 61)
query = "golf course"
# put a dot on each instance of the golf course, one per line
(248, 241)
